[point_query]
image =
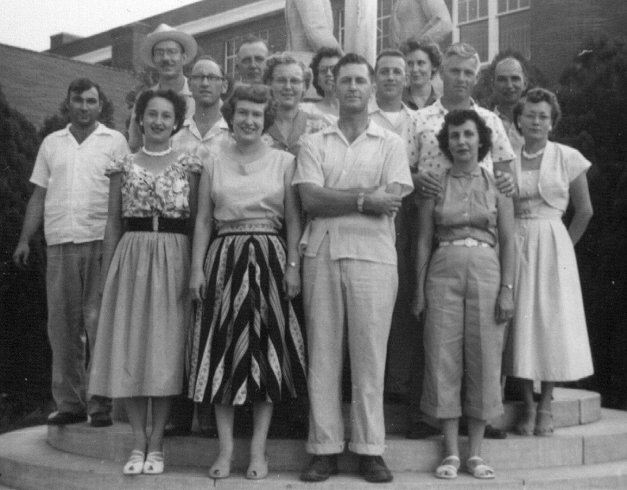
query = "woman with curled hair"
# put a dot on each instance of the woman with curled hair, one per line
(423, 58)
(288, 80)
(247, 344)
(549, 338)
(463, 287)
(146, 306)
(323, 81)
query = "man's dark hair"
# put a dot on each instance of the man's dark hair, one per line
(388, 52)
(352, 59)
(459, 117)
(315, 63)
(177, 101)
(79, 85)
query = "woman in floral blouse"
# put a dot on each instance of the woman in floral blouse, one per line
(145, 311)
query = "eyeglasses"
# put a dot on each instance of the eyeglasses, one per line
(210, 78)
(323, 69)
(160, 53)
(292, 81)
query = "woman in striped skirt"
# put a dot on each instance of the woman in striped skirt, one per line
(247, 344)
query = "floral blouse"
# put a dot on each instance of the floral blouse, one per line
(165, 194)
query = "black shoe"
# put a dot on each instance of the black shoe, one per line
(63, 418)
(320, 468)
(421, 430)
(101, 419)
(174, 430)
(374, 470)
(492, 432)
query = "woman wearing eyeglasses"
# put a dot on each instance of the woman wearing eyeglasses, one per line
(288, 81)
(323, 81)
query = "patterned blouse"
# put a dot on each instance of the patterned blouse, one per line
(165, 194)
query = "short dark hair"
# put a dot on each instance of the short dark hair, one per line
(284, 59)
(388, 52)
(536, 95)
(252, 39)
(509, 54)
(207, 57)
(79, 85)
(256, 92)
(352, 59)
(178, 102)
(427, 46)
(459, 117)
(315, 62)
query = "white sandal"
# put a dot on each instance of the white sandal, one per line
(477, 468)
(447, 470)
(135, 463)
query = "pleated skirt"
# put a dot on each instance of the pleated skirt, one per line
(247, 341)
(144, 318)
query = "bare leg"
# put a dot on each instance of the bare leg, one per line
(544, 417)
(526, 424)
(160, 413)
(476, 428)
(221, 467)
(450, 429)
(137, 412)
(262, 416)
(547, 396)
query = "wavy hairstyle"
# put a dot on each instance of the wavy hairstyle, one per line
(459, 117)
(255, 92)
(178, 102)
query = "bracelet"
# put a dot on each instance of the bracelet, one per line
(360, 202)
(292, 264)
(508, 286)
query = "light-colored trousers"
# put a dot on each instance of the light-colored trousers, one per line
(358, 295)
(72, 280)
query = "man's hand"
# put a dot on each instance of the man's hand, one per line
(381, 202)
(427, 185)
(504, 182)
(21, 254)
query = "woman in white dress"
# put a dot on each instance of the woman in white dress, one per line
(549, 337)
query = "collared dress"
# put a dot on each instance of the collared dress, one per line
(247, 342)
(304, 123)
(146, 306)
(549, 338)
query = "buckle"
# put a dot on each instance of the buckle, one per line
(155, 222)
(470, 242)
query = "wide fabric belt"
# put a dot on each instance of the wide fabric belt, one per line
(157, 224)
(464, 242)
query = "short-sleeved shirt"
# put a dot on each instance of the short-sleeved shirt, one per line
(515, 138)
(189, 140)
(375, 158)
(409, 101)
(404, 126)
(468, 207)
(429, 121)
(77, 190)
(250, 191)
(304, 123)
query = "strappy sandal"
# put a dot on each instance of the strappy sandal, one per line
(544, 424)
(477, 468)
(221, 468)
(154, 463)
(526, 424)
(447, 470)
(135, 463)
(257, 469)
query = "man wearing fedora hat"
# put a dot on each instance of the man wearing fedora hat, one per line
(167, 50)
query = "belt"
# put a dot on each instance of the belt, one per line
(464, 242)
(157, 223)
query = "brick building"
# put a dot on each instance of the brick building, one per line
(549, 32)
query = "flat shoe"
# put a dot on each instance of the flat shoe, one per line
(447, 470)
(154, 463)
(544, 424)
(135, 463)
(257, 469)
(476, 467)
(221, 468)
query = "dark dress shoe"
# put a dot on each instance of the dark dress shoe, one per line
(490, 432)
(63, 418)
(421, 430)
(374, 469)
(320, 468)
(100, 420)
(174, 430)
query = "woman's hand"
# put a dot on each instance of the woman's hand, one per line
(197, 285)
(291, 282)
(504, 305)
(418, 305)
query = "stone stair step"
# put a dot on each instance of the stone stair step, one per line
(27, 462)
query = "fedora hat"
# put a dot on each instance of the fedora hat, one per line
(166, 33)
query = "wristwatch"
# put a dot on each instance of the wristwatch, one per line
(360, 201)
(508, 286)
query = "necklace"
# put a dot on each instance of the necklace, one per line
(531, 156)
(157, 153)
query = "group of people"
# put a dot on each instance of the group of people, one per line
(244, 236)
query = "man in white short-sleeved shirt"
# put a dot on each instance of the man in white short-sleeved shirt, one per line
(71, 199)
(352, 177)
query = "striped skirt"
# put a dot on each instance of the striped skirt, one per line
(247, 341)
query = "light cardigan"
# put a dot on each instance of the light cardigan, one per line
(560, 165)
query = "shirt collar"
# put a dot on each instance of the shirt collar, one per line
(476, 172)
(184, 91)
(100, 129)
(371, 130)
(220, 125)
(438, 105)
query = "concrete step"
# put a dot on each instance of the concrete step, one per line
(28, 462)
(599, 442)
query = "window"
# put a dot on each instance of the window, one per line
(514, 32)
(512, 5)
(471, 11)
(231, 47)
(476, 34)
(338, 25)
